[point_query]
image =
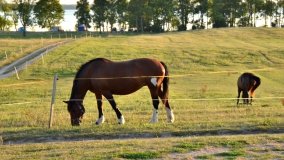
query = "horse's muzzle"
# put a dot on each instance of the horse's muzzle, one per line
(75, 122)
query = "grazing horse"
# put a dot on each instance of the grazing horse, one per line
(107, 78)
(247, 82)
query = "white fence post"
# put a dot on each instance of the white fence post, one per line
(16, 72)
(52, 100)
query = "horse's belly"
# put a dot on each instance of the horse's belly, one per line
(118, 87)
(124, 89)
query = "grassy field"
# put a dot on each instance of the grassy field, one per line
(203, 65)
(13, 49)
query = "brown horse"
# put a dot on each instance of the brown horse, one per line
(106, 78)
(247, 82)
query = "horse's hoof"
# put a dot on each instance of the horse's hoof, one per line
(153, 120)
(171, 121)
(121, 120)
(100, 120)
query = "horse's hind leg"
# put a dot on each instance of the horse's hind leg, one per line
(114, 107)
(101, 118)
(245, 97)
(238, 98)
(170, 114)
(251, 96)
(155, 101)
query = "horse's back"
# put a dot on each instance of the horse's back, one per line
(135, 67)
(246, 81)
(124, 77)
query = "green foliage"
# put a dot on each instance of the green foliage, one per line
(25, 8)
(100, 13)
(48, 13)
(140, 155)
(186, 147)
(83, 13)
(231, 154)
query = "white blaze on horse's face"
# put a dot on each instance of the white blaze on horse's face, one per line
(154, 81)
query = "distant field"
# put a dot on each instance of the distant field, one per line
(204, 66)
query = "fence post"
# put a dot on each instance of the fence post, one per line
(6, 55)
(42, 58)
(52, 100)
(16, 72)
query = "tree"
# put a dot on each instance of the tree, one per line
(15, 15)
(100, 13)
(138, 14)
(201, 8)
(25, 8)
(5, 9)
(83, 13)
(48, 13)
(269, 8)
(184, 8)
(162, 12)
(233, 11)
(281, 12)
(217, 14)
(122, 14)
(111, 12)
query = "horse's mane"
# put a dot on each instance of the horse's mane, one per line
(80, 70)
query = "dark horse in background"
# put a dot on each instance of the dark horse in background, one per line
(247, 82)
(106, 78)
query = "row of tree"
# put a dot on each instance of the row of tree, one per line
(144, 15)
(161, 15)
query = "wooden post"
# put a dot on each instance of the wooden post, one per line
(6, 55)
(52, 101)
(16, 72)
(42, 58)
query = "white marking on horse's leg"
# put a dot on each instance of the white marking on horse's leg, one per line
(100, 120)
(121, 120)
(170, 115)
(154, 81)
(154, 116)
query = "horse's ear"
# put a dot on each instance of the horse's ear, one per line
(66, 102)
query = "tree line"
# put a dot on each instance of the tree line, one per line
(145, 15)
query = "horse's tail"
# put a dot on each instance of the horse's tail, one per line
(257, 83)
(166, 80)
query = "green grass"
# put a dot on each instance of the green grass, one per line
(203, 64)
(152, 148)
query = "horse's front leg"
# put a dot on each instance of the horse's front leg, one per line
(110, 99)
(101, 118)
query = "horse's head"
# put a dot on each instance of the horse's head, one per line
(76, 110)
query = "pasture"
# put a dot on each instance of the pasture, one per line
(204, 67)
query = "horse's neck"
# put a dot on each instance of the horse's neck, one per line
(78, 92)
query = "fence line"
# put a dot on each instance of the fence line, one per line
(20, 84)
(170, 99)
